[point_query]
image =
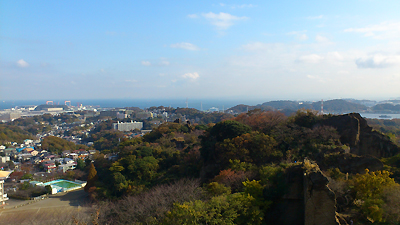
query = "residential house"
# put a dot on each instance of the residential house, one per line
(59, 160)
(66, 153)
(10, 152)
(66, 167)
(92, 152)
(50, 167)
(28, 142)
(68, 160)
(73, 156)
(24, 156)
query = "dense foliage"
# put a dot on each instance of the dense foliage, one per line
(56, 144)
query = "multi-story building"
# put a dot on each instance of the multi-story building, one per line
(3, 197)
(128, 126)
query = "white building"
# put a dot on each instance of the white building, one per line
(128, 126)
(4, 159)
(3, 197)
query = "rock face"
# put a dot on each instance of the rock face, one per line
(355, 132)
(308, 199)
(319, 199)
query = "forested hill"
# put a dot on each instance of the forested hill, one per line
(260, 167)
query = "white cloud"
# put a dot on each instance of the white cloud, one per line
(321, 39)
(192, 76)
(238, 6)
(377, 61)
(165, 63)
(193, 16)
(222, 20)
(243, 6)
(315, 17)
(102, 70)
(385, 30)
(300, 35)
(185, 45)
(22, 63)
(146, 63)
(313, 58)
(334, 56)
(319, 79)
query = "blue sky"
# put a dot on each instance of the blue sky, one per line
(265, 50)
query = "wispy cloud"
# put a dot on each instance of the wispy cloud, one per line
(300, 35)
(322, 39)
(185, 45)
(22, 63)
(192, 76)
(193, 16)
(164, 63)
(222, 20)
(318, 78)
(377, 61)
(146, 63)
(385, 30)
(235, 6)
(315, 17)
(312, 58)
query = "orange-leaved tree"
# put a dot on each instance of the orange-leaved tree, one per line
(92, 177)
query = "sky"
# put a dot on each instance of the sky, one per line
(267, 50)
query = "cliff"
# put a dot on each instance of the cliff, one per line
(307, 199)
(362, 140)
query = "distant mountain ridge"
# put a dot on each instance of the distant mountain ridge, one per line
(330, 106)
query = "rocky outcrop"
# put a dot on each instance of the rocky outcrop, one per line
(355, 132)
(307, 201)
(319, 199)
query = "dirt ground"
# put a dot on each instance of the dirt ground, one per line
(62, 208)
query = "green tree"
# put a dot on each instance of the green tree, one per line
(48, 189)
(219, 132)
(80, 164)
(369, 188)
(232, 209)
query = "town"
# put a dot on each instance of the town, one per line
(60, 144)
